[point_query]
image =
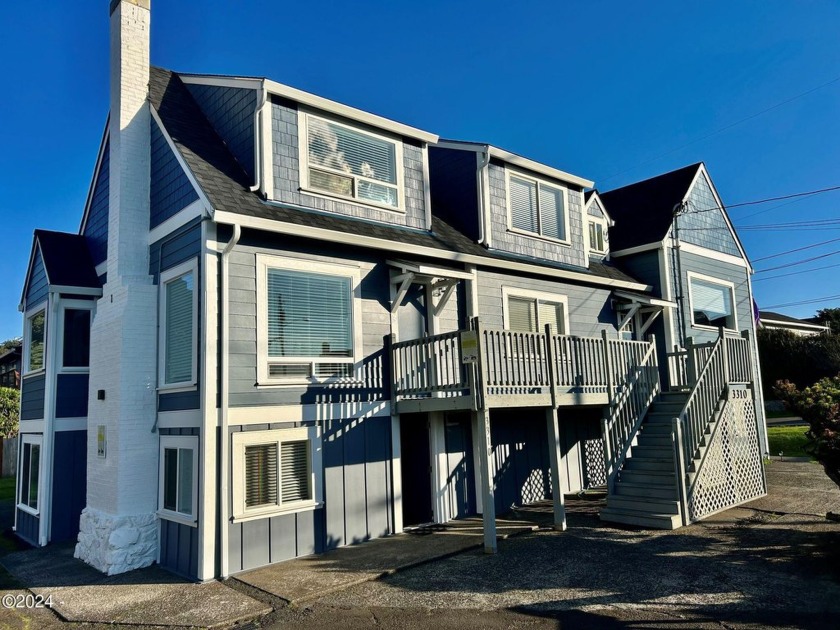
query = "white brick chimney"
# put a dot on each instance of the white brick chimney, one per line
(118, 528)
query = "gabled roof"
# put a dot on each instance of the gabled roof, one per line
(644, 211)
(593, 196)
(67, 259)
(770, 316)
(226, 186)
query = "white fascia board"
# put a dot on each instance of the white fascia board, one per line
(345, 111)
(35, 245)
(703, 172)
(243, 83)
(180, 219)
(427, 270)
(637, 250)
(648, 300)
(59, 288)
(783, 324)
(518, 160)
(713, 254)
(307, 231)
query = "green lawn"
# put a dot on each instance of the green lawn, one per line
(789, 440)
(7, 488)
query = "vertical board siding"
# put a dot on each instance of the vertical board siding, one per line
(69, 484)
(503, 239)
(590, 311)
(358, 503)
(376, 326)
(287, 181)
(703, 226)
(38, 288)
(453, 178)
(27, 527)
(170, 189)
(520, 466)
(460, 467)
(32, 397)
(96, 227)
(231, 113)
(71, 395)
(179, 542)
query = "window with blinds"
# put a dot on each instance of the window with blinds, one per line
(310, 324)
(261, 475)
(178, 329)
(350, 163)
(712, 304)
(277, 473)
(537, 208)
(532, 314)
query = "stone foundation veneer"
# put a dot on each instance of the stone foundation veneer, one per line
(116, 544)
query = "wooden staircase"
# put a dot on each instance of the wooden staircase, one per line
(645, 491)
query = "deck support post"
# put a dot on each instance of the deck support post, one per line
(555, 456)
(481, 423)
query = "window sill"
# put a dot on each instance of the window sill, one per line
(74, 370)
(177, 518)
(354, 200)
(715, 329)
(27, 509)
(40, 372)
(311, 382)
(539, 237)
(276, 511)
(175, 388)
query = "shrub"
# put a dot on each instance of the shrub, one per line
(819, 406)
(9, 410)
(801, 360)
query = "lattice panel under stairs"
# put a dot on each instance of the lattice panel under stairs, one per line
(732, 471)
(594, 471)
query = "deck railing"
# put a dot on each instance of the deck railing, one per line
(514, 362)
(628, 409)
(429, 366)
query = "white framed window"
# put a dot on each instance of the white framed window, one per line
(276, 471)
(178, 491)
(712, 302)
(35, 341)
(530, 311)
(597, 235)
(29, 475)
(178, 330)
(75, 318)
(537, 207)
(308, 321)
(340, 160)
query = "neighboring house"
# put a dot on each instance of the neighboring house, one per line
(288, 325)
(799, 327)
(10, 362)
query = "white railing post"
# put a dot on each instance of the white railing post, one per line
(679, 467)
(608, 365)
(608, 466)
(690, 363)
(725, 357)
(395, 372)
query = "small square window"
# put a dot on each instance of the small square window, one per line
(178, 477)
(531, 313)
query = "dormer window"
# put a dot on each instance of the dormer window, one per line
(597, 243)
(342, 161)
(537, 208)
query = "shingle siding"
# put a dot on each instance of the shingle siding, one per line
(96, 227)
(535, 247)
(703, 224)
(170, 189)
(285, 139)
(37, 289)
(231, 113)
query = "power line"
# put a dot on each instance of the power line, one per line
(760, 201)
(798, 249)
(796, 273)
(724, 128)
(801, 302)
(799, 262)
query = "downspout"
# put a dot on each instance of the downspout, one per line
(678, 284)
(484, 197)
(258, 123)
(224, 502)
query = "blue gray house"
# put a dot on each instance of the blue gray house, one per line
(287, 325)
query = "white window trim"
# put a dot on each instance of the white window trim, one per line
(73, 305)
(303, 154)
(554, 298)
(603, 223)
(180, 442)
(510, 172)
(27, 339)
(30, 439)
(191, 266)
(274, 436)
(266, 262)
(711, 280)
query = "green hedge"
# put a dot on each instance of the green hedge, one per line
(800, 360)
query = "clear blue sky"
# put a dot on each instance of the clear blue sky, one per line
(600, 89)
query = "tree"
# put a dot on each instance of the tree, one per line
(830, 316)
(9, 344)
(9, 411)
(819, 406)
(801, 360)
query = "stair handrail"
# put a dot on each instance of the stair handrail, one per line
(635, 395)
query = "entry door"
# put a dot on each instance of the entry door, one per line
(416, 469)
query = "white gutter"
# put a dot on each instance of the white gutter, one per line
(259, 121)
(484, 196)
(224, 512)
(308, 231)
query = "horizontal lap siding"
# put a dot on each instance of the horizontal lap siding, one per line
(178, 247)
(287, 182)
(32, 397)
(69, 484)
(357, 491)
(170, 189)
(505, 240)
(376, 325)
(96, 227)
(38, 288)
(71, 396)
(589, 308)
